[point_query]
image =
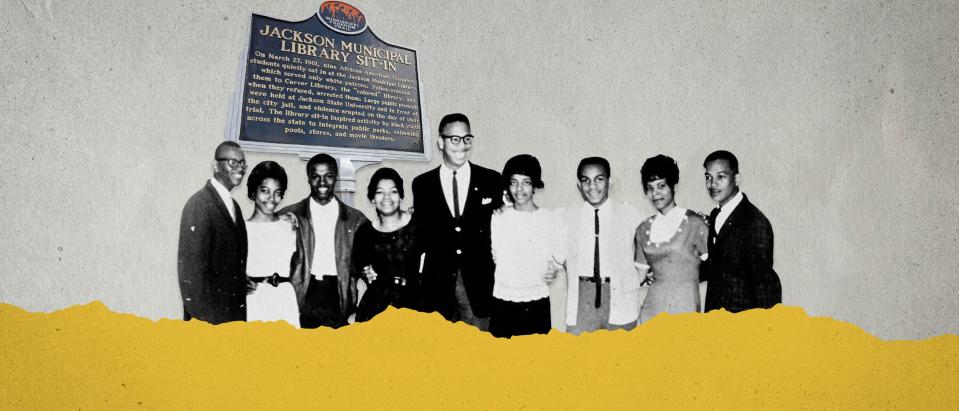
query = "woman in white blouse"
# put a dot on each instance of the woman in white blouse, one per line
(527, 243)
(670, 245)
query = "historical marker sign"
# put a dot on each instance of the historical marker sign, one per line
(329, 84)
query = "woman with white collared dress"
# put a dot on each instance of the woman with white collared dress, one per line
(670, 245)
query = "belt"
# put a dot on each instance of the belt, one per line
(273, 280)
(593, 280)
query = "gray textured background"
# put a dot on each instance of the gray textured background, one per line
(843, 114)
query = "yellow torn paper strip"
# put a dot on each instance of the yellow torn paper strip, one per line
(87, 357)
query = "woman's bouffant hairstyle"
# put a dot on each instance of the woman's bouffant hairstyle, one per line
(385, 173)
(263, 171)
(659, 167)
(523, 164)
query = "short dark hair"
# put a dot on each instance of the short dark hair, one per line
(384, 173)
(525, 165)
(723, 155)
(453, 118)
(593, 161)
(223, 146)
(659, 167)
(322, 158)
(263, 171)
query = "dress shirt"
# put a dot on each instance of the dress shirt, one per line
(462, 184)
(586, 250)
(617, 229)
(225, 196)
(324, 226)
(726, 210)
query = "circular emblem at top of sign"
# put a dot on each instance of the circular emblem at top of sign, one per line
(342, 17)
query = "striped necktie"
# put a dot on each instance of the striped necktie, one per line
(596, 277)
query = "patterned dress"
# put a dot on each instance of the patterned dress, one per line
(673, 249)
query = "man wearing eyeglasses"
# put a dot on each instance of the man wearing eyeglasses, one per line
(211, 258)
(453, 204)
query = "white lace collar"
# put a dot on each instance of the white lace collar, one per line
(662, 228)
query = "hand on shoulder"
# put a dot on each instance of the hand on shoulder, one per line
(290, 218)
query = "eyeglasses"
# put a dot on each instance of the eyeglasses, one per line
(232, 162)
(467, 139)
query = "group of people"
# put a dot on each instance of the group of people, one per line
(475, 246)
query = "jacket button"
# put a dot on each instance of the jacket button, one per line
(457, 229)
(458, 252)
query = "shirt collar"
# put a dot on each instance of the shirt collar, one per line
(315, 205)
(602, 207)
(446, 171)
(221, 189)
(731, 205)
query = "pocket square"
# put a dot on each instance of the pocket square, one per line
(487, 200)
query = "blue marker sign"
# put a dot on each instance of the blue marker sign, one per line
(329, 83)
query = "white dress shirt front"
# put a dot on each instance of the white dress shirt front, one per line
(324, 228)
(617, 229)
(225, 196)
(462, 185)
(726, 210)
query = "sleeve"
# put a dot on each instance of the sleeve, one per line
(497, 233)
(706, 267)
(564, 247)
(640, 238)
(193, 263)
(419, 209)
(298, 269)
(496, 189)
(360, 254)
(558, 237)
(411, 257)
(700, 237)
(759, 264)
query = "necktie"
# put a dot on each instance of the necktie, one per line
(596, 277)
(456, 198)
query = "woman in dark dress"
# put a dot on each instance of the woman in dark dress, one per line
(383, 252)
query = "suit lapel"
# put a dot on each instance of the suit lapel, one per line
(239, 224)
(731, 223)
(712, 226)
(308, 233)
(338, 228)
(472, 191)
(438, 183)
(222, 207)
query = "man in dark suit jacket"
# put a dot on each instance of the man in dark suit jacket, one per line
(211, 258)
(739, 269)
(325, 290)
(453, 204)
